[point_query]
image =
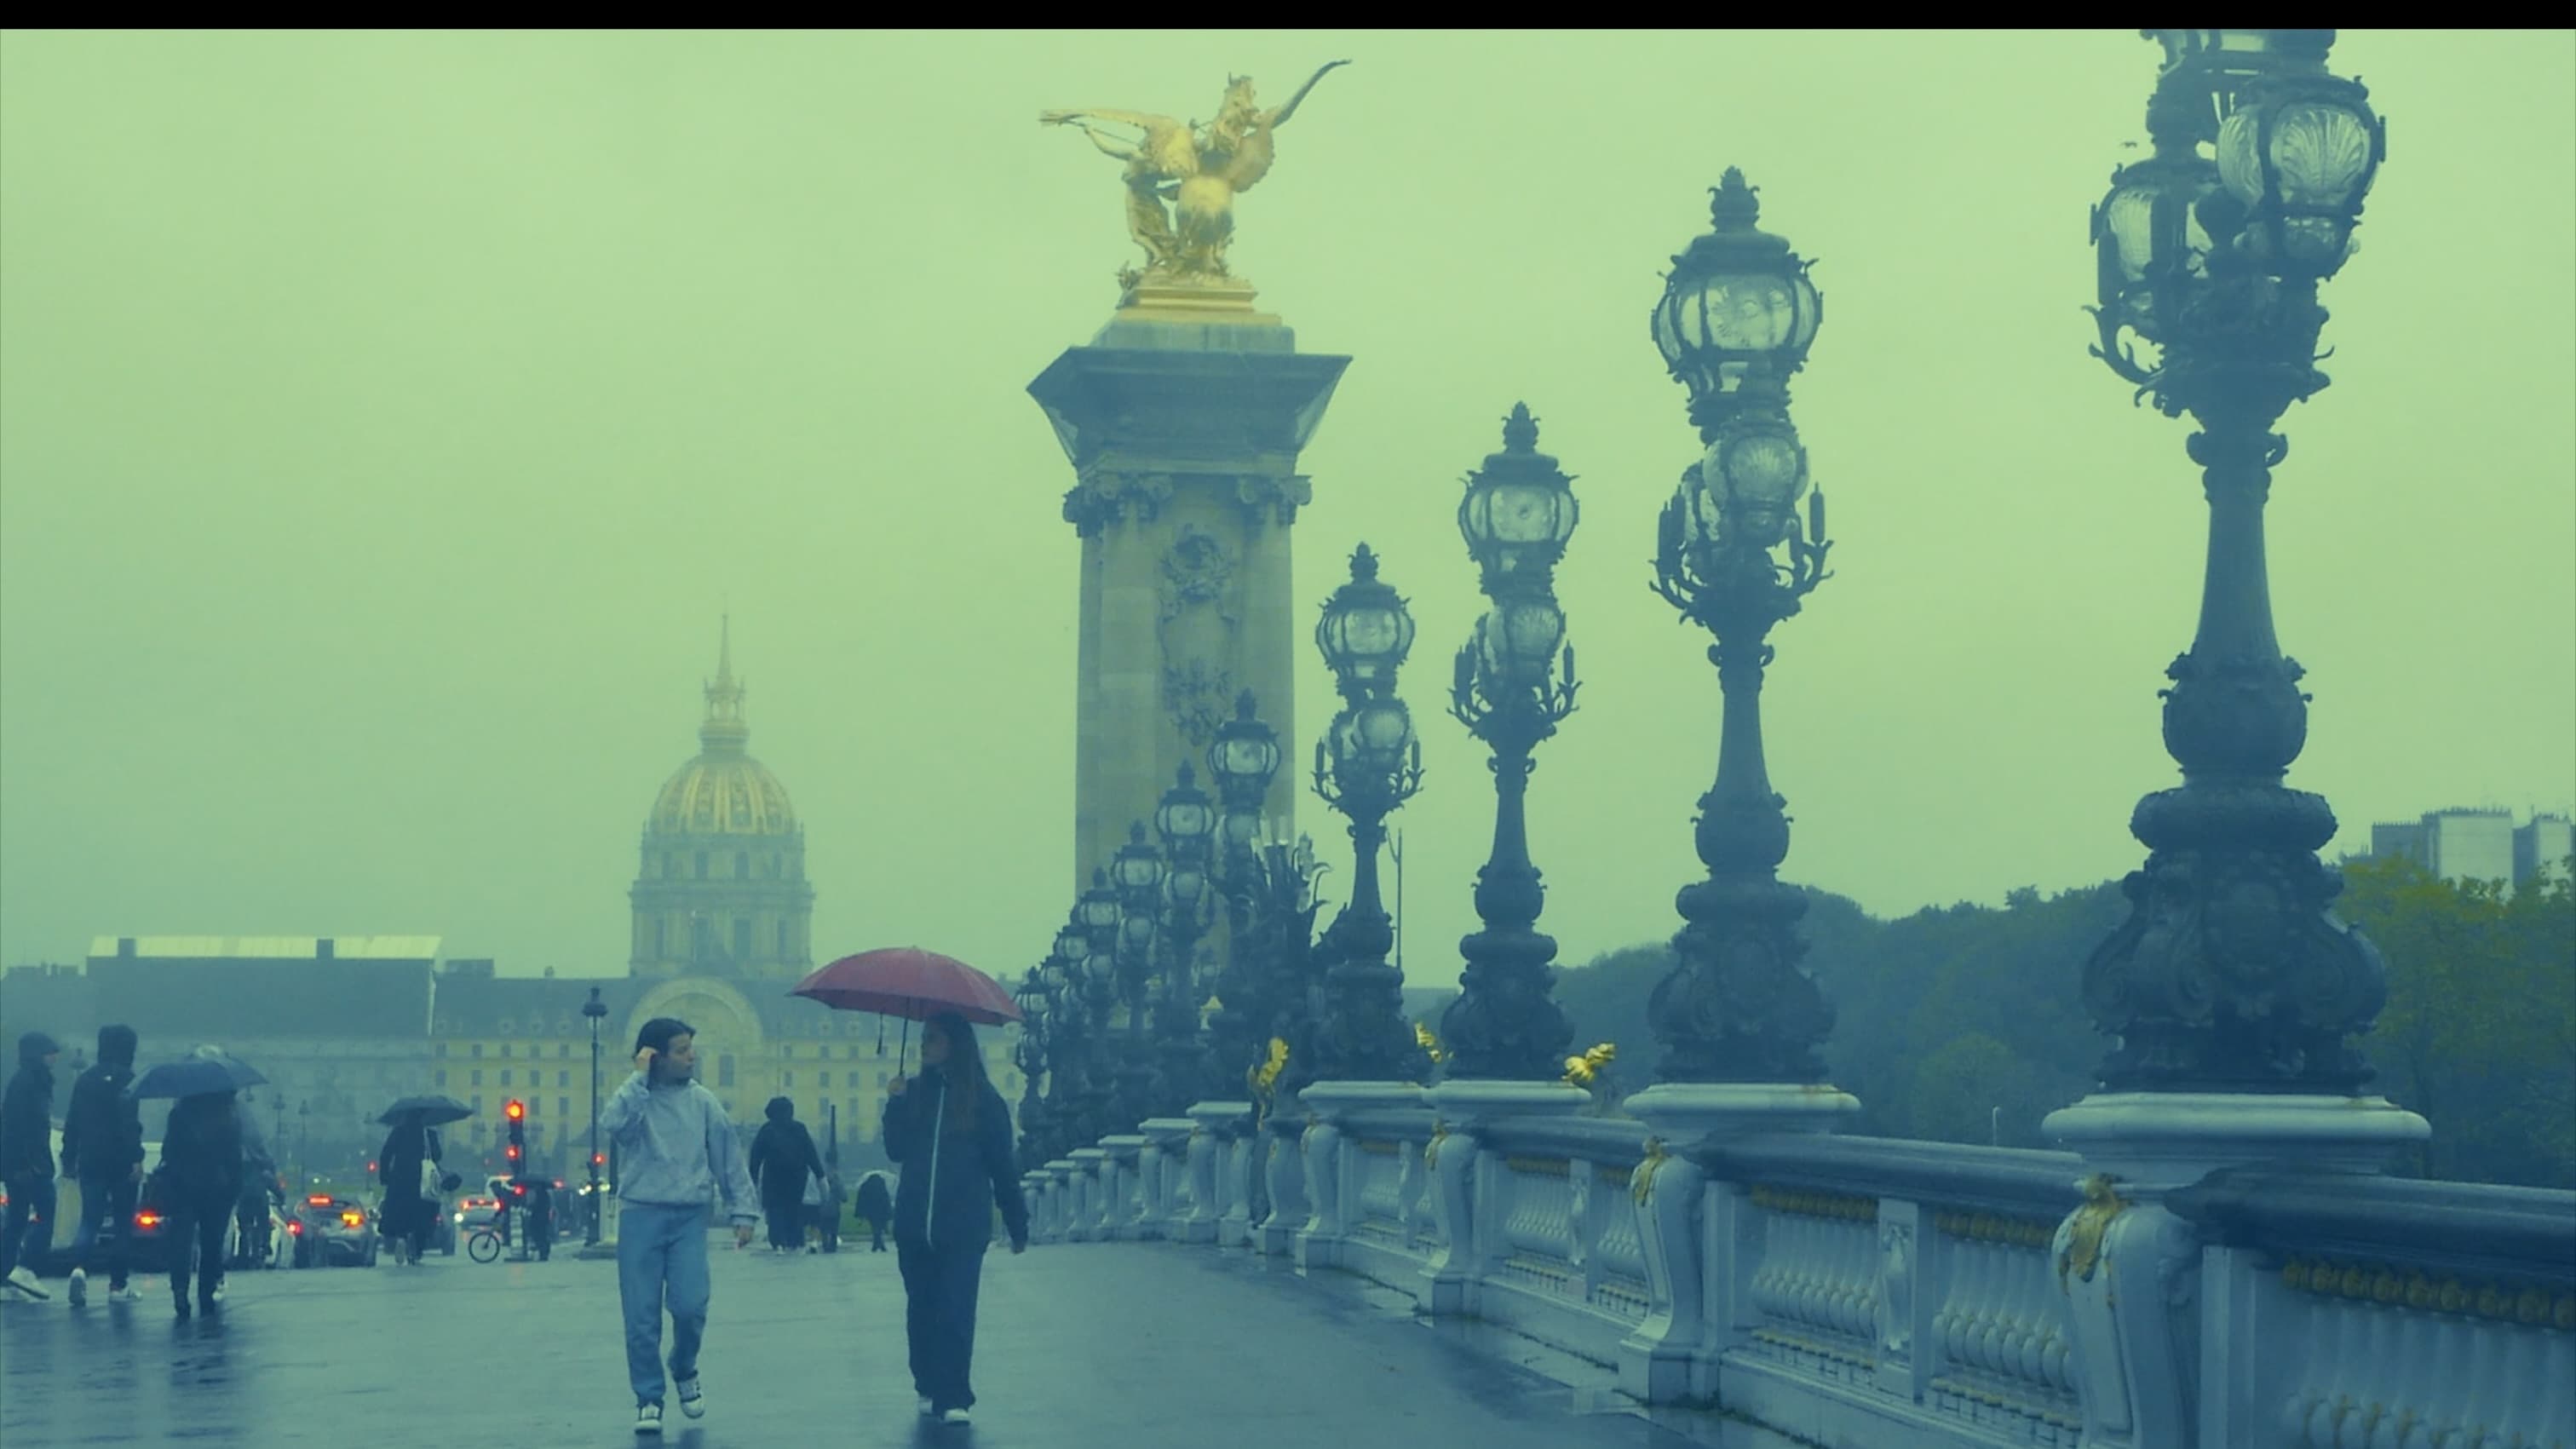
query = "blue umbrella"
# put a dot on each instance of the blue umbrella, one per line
(208, 1071)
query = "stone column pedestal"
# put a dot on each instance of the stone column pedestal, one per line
(1697, 1308)
(1158, 1178)
(1461, 1178)
(2131, 1269)
(1326, 1150)
(1281, 1163)
(1089, 1195)
(1216, 1197)
(1183, 427)
(1120, 1185)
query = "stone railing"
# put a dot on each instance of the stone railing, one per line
(2378, 1311)
(1869, 1292)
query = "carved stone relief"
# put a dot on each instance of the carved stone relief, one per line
(1197, 632)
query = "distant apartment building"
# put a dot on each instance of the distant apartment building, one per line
(2478, 844)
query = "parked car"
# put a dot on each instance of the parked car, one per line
(333, 1231)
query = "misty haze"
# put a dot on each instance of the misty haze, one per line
(1398, 737)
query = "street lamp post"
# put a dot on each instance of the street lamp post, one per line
(1366, 767)
(1097, 990)
(1509, 692)
(2231, 972)
(1734, 324)
(1242, 758)
(596, 1010)
(1137, 870)
(1186, 821)
(1032, 996)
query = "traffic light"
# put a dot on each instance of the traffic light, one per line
(516, 1112)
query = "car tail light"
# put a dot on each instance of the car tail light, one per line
(319, 1199)
(147, 1219)
(353, 1219)
(296, 1228)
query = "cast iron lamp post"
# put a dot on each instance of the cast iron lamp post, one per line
(1242, 759)
(1517, 514)
(596, 1010)
(1366, 767)
(1735, 321)
(2231, 973)
(1137, 871)
(1186, 821)
(1031, 1054)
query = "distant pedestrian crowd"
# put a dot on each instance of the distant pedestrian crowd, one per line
(948, 1135)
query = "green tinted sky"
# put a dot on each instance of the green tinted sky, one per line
(385, 419)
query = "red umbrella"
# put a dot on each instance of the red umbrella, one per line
(908, 982)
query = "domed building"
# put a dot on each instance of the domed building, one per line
(722, 889)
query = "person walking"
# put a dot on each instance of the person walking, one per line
(407, 1165)
(27, 1164)
(201, 1166)
(676, 1150)
(783, 1162)
(103, 1152)
(876, 1208)
(951, 1138)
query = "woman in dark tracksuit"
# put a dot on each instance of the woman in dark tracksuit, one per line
(951, 1135)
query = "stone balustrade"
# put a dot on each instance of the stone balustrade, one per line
(1868, 1291)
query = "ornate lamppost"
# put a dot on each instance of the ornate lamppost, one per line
(2231, 973)
(1734, 324)
(1186, 821)
(1518, 512)
(1242, 758)
(596, 1010)
(1032, 996)
(1136, 872)
(1366, 767)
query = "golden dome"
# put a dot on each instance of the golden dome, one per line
(723, 791)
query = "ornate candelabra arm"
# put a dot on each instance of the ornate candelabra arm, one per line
(1464, 704)
(1560, 698)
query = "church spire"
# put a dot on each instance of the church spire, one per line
(724, 730)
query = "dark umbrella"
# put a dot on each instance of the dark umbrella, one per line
(209, 1071)
(908, 982)
(433, 1110)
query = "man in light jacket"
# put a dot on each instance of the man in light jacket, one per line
(676, 1150)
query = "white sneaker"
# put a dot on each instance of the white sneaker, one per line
(927, 1411)
(692, 1402)
(25, 1282)
(953, 1417)
(648, 1418)
(215, 1297)
(123, 1295)
(76, 1292)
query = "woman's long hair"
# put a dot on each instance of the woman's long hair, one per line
(964, 1068)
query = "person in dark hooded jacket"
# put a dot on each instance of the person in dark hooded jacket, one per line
(202, 1167)
(950, 1133)
(876, 1209)
(103, 1151)
(27, 1162)
(782, 1159)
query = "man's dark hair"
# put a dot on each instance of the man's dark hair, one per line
(658, 1032)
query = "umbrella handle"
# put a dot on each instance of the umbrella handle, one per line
(905, 1048)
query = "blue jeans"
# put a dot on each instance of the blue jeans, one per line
(30, 1223)
(661, 1250)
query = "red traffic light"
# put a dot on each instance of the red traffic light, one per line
(514, 1109)
(599, 1159)
(512, 1152)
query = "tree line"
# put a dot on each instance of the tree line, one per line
(1964, 1023)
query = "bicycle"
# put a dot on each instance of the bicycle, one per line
(483, 1244)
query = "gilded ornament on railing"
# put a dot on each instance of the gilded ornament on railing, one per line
(1994, 1228)
(1431, 1149)
(1582, 1071)
(1264, 1079)
(2084, 1231)
(1430, 1044)
(1641, 1183)
(2533, 1305)
(1815, 1204)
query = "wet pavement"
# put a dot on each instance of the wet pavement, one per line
(1080, 1346)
